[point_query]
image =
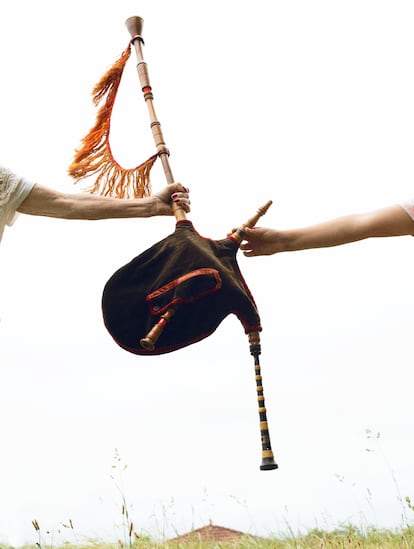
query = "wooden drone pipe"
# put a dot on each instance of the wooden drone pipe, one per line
(134, 25)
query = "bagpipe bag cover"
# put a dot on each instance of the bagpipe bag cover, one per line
(198, 277)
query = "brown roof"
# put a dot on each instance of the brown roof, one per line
(212, 533)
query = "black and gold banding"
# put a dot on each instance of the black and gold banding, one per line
(268, 461)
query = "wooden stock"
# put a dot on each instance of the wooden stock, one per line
(134, 25)
(148, 342)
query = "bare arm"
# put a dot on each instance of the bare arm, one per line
(47, 202)
(390, 221)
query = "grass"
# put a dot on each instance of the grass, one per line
(347, 537)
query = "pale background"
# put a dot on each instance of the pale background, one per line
(307, 103)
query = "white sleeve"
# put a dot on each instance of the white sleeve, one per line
(13, 190)
(408, 206)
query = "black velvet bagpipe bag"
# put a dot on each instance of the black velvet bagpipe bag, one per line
(197, 277)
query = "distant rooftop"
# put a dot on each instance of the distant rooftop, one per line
(212, 533)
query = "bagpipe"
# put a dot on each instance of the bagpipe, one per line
(178, 291)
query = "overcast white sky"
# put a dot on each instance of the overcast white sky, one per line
(309, 104)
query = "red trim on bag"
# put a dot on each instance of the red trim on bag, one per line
(170, 285)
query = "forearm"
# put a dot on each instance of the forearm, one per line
(47, 202)
(330, 233)
(91, 207)
(390, 221)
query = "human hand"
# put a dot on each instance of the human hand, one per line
(261, 241)
(174, 193)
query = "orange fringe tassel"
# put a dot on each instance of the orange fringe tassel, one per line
(94, 157)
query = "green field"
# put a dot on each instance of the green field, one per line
(347, 538)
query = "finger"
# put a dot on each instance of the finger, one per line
(180, 197)
(183, 203)
(180, 188)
